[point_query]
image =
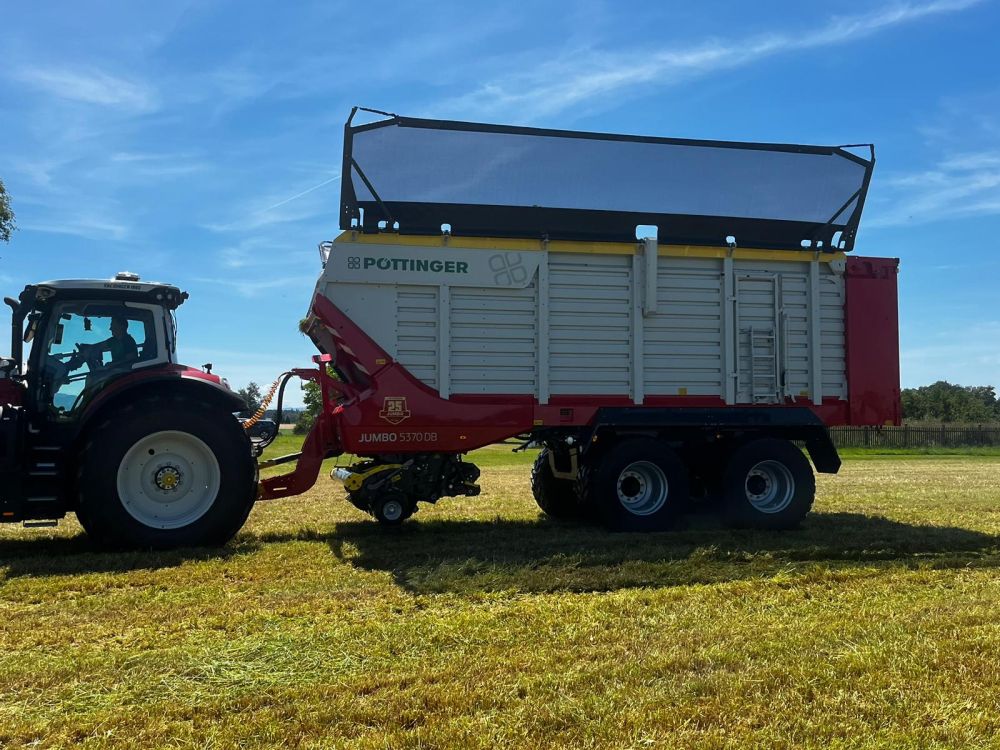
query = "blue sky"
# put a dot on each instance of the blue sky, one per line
(199, 142)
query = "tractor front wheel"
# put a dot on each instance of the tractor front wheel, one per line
(165, 473)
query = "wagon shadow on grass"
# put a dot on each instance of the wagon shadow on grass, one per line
(468, 556)
(440, 556)
(69, 555)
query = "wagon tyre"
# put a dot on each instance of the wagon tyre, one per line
(392, 508)
(640, 484)
(165, 473)
(556, 497)
(768, 484)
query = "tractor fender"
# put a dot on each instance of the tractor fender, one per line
(174, 381)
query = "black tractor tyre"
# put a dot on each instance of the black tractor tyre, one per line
(392, 508)
(638, 484)
(556, 497)
(768, 484)
(197, 469)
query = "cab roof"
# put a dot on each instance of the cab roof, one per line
(131, 288)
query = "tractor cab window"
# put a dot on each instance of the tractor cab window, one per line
(88, 343)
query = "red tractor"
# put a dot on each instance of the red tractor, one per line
(99, 419)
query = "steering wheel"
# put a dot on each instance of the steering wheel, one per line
(59, 369)
(92, 356)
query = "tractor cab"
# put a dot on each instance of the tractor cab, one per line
(82, 335)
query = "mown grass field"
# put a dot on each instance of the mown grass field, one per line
(480, 624)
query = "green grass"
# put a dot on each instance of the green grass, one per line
(480, 624)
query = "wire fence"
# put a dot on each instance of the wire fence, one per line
(913, 436)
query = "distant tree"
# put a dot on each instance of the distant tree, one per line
(251, 396)
(947, 402)
(312, 397)
(7, 225)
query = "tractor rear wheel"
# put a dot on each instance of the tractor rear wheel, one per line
(163, 473)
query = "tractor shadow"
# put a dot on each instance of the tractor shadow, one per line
(441, 556)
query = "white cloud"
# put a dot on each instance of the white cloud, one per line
(958, 186)
(277, 208)
(265, 253)
(254, 287)
(83, 224)
(581, 75)
(130, 166)
(90, 87)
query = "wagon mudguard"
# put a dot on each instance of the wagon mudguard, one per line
(790, 423)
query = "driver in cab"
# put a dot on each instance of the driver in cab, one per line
(121, 345)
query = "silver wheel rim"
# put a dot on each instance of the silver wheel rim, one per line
(392, 510)
(168, 480)
(770, 487)
(642, 488)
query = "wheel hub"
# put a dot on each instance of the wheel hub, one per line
(642, 488)
(168, 478)
(392, 510)
(632, 486)
(770, 486)
(758, 485)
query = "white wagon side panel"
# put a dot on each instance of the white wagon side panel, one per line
(741, 326)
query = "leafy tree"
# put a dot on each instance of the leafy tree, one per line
(312, 397)
(7, 225)
(946, 402)
(251, 396)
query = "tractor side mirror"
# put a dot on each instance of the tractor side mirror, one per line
(87, 325)
(31, 328)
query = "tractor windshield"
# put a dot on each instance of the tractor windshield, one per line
(89, 342)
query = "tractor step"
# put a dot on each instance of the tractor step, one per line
(39, 524)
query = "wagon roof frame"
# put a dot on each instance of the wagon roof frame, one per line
(394, 178)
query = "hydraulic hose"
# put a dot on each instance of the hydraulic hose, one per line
(258, 415)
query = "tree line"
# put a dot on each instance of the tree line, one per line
(946, 402)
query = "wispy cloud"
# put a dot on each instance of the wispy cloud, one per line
(582, 75)
(266, 253)
(256, 286)
(277, 208)
(317, 186)
(90, 87)
(130, 165)
(959, 186)
(81, 224)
